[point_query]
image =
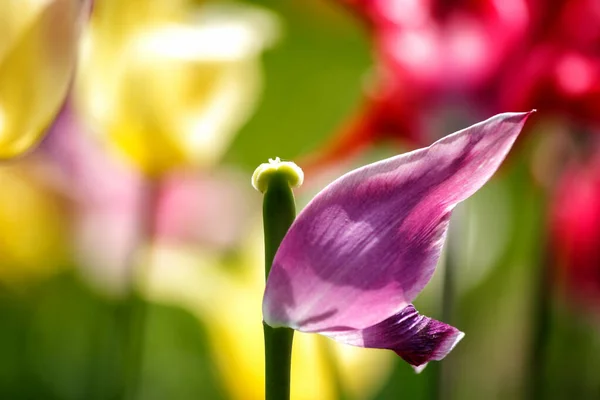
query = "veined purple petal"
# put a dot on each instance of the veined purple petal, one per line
(369, 242)
(414, 337)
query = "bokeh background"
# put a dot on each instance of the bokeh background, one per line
(130, 239)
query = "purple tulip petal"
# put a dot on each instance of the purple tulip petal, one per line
(414, 337)
(368, 243)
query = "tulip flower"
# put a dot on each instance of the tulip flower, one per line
(37, 59)
(168, 88)
(356, 257)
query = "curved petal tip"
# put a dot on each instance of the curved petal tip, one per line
(414, 337)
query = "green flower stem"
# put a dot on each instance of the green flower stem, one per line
(278, 361)
(279, 211)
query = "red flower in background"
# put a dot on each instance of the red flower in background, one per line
(561, 76)
(478, 56)
(437, 48)
(428, 54)
(575, 229)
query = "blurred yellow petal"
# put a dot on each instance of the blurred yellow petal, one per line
(33, 236)
(171, 94)
(115, 20)
(37, 57)
(362, 372)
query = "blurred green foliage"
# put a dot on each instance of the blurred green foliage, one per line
(60, 340)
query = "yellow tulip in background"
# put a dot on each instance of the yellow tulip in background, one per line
(38, 43)
(167, 84)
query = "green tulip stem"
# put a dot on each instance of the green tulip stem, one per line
(279, 211)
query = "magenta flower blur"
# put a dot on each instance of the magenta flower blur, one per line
(361, 251)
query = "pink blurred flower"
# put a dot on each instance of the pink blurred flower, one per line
(436, 47)
(472, 58)
(364, 247)
(104, 195)
(108, 198)
(428, 53)
(204, 208)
